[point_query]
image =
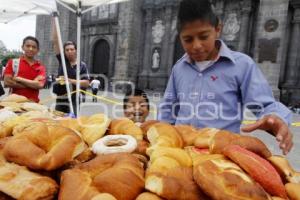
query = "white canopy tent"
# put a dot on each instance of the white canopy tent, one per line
(13, 9)
(10, 10)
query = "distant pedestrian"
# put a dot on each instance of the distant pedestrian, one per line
(95, 85)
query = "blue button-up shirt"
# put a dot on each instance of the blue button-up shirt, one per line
(217, 96)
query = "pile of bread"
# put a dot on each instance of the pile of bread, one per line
(50, 158)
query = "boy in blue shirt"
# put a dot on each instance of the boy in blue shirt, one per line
(211, 85)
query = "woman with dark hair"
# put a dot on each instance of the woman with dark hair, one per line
(70, 51)
(211, 85)
(26, 75)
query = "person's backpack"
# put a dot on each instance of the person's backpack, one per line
(15, 66)
(15, 69)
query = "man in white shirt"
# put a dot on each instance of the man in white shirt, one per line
(95, 84)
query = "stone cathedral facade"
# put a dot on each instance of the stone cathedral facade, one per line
(137, 41)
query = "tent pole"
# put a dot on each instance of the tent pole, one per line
(79, 14)
(66, 6)
(63, 60)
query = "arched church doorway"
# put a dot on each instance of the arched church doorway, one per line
(101, 59)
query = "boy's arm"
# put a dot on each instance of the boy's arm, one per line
(274, 116)
(37, 83)
(8, 77)
(166, 111)
(11, 83)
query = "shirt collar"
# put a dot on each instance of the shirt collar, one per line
(224, 52)
(36, 62)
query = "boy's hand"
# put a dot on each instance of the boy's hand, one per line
(275, 126)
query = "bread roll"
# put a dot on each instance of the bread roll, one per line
(148, 196)
(125, 126)
(292, 190)
(222, 179)
(285, 169)
(163, 134)
(258, 168)
(120, 175)
(43, 147)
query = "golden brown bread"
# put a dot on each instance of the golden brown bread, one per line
(104, 196)
(15, 98)
(148, 196)
(163, 134)
(6, 128)
(216, 140)
(188, 134)
(93, 127)
(293, 191)
(285, 169)
(120, 175)
(18, 182)
(175, 183)
(222, 179)
(266, 175)
(125, 126)
(170, 170)
(146, 125)
(42, 146)
(90, 128)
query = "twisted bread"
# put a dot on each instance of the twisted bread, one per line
(40, 146)
(120, 175)
(125, 126)
(284, 168)
(148, 196)
(176, 183)
(91, 128)
(216, 140)
(293, 191)
(18, 182)
(146, 125)
(222, 179)
(94, 127)
(170, 170)
(265, 174)
(163, 134)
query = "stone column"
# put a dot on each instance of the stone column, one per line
(147, 47)
(166, 42)
(219, 9)
(294, 48)
(244, 32)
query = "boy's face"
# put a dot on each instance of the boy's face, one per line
(136, 109)
(198, 40)
(30, 48)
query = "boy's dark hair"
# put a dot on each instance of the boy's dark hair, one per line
(191, 10)
(33, 39)
(135, 92)
(70, 43)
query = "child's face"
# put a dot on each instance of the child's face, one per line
(198, 40)
(30, 48)
(136, 109)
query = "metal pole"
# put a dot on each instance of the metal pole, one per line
(79, 14)
(63, 60)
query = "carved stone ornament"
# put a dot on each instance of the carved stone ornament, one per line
(158, 31)
(231, 27)
(271, 25)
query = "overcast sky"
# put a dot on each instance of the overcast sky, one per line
(14, 32)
